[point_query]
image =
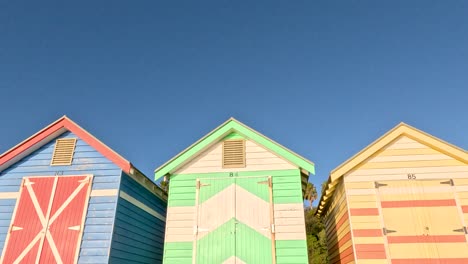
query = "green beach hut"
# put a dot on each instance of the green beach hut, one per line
(235, 196)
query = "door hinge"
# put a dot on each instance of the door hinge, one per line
(450, 182)
(387, 231)
(463, 229)
(273, 228)
(199, 184)
(377, 185)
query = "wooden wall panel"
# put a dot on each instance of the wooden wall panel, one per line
(401, 159)
(138, 234)
(338, 230)
(257, 158)
(101, 209)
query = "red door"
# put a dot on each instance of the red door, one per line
(48, 220)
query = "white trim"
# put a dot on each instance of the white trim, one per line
(141, 205)
(105, 192)
(9, 195)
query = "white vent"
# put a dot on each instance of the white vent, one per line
(63, 152)
(234, 153)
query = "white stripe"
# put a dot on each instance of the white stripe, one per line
(141, 205)
(9, 195)
(28, 248)
(16, 228)
(76, 228)
(106, 192)
(53, 247)
(35, 202)
(67, 202)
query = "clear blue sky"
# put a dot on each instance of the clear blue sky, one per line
(324, 78)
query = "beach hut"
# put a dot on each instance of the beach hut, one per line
(403, 199)
(235, 196)
(65, 197)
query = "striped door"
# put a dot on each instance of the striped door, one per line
(422, 222)
(234, 217)
(48, 219)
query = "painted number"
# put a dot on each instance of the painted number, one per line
(411, 176)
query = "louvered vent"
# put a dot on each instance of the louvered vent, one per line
(234, 154)
(63, 152)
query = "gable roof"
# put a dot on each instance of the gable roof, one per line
(395, 133)
(230, 126)
(53, 130)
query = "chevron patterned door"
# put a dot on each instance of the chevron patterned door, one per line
(234, 221)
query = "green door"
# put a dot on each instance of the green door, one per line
(234, 219)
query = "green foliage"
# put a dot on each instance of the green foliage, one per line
(316, 238)
(310, 194)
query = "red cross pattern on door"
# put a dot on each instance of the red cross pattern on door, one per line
(48, 220)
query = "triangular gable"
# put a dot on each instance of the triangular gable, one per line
(52, 131)
(221, 132)
(391, 136)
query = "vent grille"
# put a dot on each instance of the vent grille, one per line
(234, 154)
(63, 152)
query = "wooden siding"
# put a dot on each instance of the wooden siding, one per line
(101, 210)
(257, 158)
(289, 221)
(338, 230)
(138, 235)
(415, 181)
(288, 215)
(287, 186)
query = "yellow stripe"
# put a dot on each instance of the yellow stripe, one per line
(429, 250)
(360, 185)
(411, 164)
(410, 158)
(373, 261)
(365, 219)
(362, 198)
(334, 220)
(368, 225)
(404, 152)
(344, 247)
(416, 196)
(363, 204)
(460, 181)
(368, 240)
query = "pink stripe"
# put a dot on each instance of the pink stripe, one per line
(418, 203)
(364, 211)
(465, 209)
(426, 239)
(367, 232)
(431, 261)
